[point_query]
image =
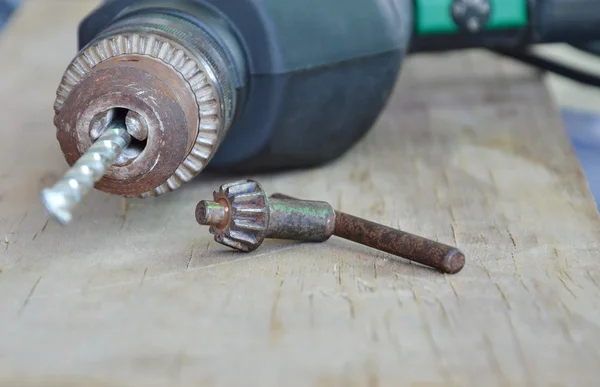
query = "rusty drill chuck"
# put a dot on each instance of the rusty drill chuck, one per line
(241, 216)
(173, 82)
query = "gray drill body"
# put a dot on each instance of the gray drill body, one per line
(238, 86)
(311, 76)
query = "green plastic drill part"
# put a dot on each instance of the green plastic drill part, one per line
(434, 16)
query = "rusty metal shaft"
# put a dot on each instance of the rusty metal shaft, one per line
(241, 216)
(444, 258)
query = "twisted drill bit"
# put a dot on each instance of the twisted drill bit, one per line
(67, 193)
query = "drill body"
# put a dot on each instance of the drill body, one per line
(310, 77)
(162, 90)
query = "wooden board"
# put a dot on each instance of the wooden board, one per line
(470, 151)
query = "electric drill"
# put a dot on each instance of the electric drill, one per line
(164, 89)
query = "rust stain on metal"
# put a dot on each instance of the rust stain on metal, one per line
(160, 97)
(428, 252)
(300, 220)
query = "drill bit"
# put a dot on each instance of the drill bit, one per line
(68, 192)
(241, 216)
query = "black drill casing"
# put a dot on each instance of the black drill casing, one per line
(318, 72)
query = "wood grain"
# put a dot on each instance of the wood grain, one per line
(470, 151)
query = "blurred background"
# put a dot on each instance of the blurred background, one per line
(579, 104)
(6, 9)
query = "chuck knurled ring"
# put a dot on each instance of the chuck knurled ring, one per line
(213, 105)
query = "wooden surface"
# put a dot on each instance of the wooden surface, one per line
(470, 151)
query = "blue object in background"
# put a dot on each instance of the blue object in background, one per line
(6, 9)
(584, 130)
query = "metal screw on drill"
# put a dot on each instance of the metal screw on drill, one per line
(60, 199)
(136, 125)
(241, 216)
